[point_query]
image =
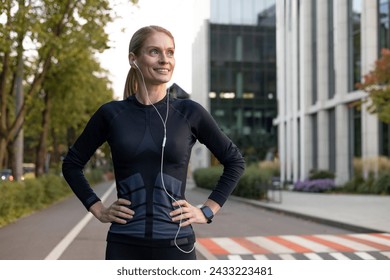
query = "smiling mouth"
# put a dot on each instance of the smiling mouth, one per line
(162, 70)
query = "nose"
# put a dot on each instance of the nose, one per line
(163, 59)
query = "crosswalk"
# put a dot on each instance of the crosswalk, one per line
(367, 246)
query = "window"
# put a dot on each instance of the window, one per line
(314, 141)
(384, 32)
(355, 10)
(331, 72)
(314, 51)
(332, 139)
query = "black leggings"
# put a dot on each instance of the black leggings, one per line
(120, 251)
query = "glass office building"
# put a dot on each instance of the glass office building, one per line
(324, 50)
(241, 72)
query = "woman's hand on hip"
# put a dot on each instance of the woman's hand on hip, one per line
(187, 214)
(118, 212)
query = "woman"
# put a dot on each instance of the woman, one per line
(151, 136)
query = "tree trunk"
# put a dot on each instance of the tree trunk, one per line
(42, 144)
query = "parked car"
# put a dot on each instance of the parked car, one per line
(6, 175)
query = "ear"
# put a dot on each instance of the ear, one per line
(131, 58)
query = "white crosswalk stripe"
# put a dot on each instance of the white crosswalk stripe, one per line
(231, 246)
(313, 256)
(287, 257)
(387, 254)
(373, 238)
(270, 245)
(314, 246)
(260, 257)
(346, 242)
(339, 256)
(234, 257)
(365, 256)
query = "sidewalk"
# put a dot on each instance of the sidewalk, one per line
(362, 213)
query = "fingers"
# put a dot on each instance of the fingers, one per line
(119, 211)
(186, 214)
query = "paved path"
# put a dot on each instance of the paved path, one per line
(267, 236)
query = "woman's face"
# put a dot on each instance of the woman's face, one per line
(156, 59)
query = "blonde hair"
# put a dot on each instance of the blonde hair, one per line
(136, 43)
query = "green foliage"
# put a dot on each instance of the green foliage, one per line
(58, 41)
(382, 184)
(94, 175)
(207, 177)
(21, 198)
(377, 85)
(371, 185)
(321, 174)
(251, 184)
(352, 185)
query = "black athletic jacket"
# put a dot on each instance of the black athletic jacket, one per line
(135, 133)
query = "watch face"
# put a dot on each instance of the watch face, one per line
(207, 212)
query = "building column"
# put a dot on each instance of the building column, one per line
(323, 84)
(370, 125)
(306, 88)
(294, 78)
(200, 156)
(341, 64)
(281, 86)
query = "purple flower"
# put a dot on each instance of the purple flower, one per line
(316, 185)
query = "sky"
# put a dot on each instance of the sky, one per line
(174, 15)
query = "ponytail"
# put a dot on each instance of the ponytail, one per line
(131, 85)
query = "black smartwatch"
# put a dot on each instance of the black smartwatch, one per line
(207, 213)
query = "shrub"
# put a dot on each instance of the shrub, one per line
(352, 185)
(321, 174)
(95, 175)
(21, 198)
(207, 177)
(251, 184)
(11, 201)
(382, 184)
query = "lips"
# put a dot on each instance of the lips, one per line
(162, 70)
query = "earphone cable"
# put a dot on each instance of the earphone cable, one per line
(164, 122)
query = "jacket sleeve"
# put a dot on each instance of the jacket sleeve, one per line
(208, 133)
(93, 136)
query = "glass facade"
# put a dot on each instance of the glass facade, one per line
(355, 11)
(331, 62)
(384, 31)
(243, 73)
(314, 132)
(241, 12)
(332, 139)
(314, 51)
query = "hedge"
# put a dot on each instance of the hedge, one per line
(18, 199)
(253, 184)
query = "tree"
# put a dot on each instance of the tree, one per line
(377, 85)
(45, 35)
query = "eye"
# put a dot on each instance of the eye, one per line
(154, 52)
(170, 53)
